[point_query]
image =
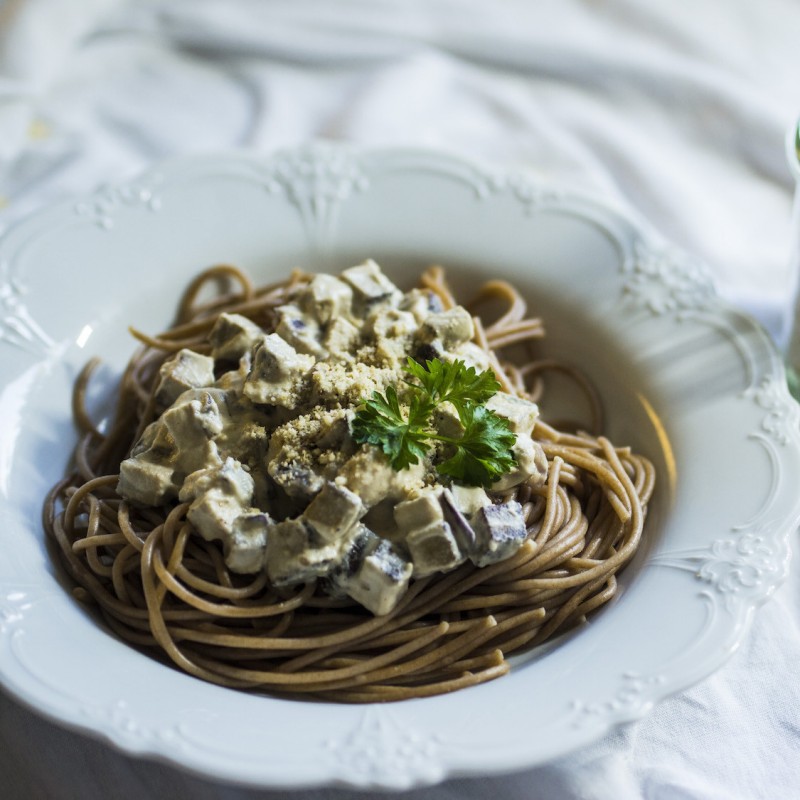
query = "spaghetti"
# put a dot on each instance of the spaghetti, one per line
(164, 589)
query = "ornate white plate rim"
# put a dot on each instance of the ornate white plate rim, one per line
(729, 570)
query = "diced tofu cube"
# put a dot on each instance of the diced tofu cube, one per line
(419, 512)
(246, 546)
(333, 512)
(381, 580)
(147, 482)
(232, 336)
(446, 421)
(530, 464)
(295, 479)
(192, 421)
(389, 324)
(370, 287)
(521, 414)
(433, 549)
(471, 354)
(156, 439)
(390, 331)
(185, 370)
(296, 554)
(451, 327)
(340, 339)
(469, 499)
(218, 497)
(232, 479)
(326, 298)
(421, 303)
(277, 368)
(300, 330)
(499, 531)
(213, 514)
(204, 455)
(274, 360)
(370, 475)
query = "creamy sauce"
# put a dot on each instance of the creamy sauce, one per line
(256, 437)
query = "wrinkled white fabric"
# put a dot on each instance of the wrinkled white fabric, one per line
(677, 110)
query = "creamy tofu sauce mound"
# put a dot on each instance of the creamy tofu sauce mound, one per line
(256, 438)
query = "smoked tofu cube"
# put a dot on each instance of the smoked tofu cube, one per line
(333, 512)
(499, 531)
(327, 298)
(469, 499)
(452, 328)
(446, 421)
(340, 339)
(277, 368)
(213, 514)
(389, 323)
(192, 422)
(246, 547)
(300, 330)
(219, 496)
(433, 549)
(296, 554)
(232, 336)
(530, 464)
(421, 303)
(275, 360)
(232, 479)
(471, 354)
(420, 512)
(370, 288)
(150, 483)
(183, 371)
(520, 413)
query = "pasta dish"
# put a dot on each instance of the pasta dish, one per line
(333, 489)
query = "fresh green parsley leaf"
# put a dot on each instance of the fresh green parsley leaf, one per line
(381, 422)
(402, 429)
(454, 382)
(483, 453)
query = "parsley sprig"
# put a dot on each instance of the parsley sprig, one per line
(402, 427)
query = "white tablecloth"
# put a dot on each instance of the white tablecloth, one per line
(677, 109)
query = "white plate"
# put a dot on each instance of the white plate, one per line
(692, 383)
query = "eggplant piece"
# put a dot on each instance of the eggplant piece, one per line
(459, 524)
(499, 532)
(356, 547)
(299, 482)
(381, 580)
